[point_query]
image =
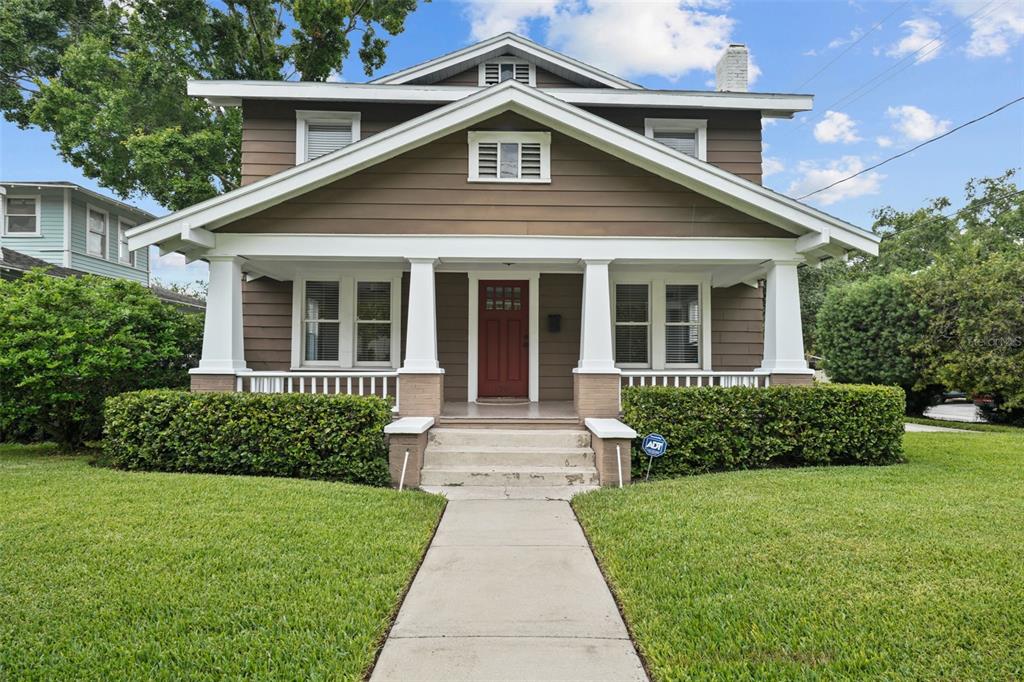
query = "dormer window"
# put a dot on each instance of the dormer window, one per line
(509, 156)
(500, 70)
(322, 132)
(686, 135)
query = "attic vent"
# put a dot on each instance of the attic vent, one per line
(498, 71)
(322, 132)
(509, 157)
(681, 142)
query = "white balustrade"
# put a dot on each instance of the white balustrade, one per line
(383, 384)
(684, 378)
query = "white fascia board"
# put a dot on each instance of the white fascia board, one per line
(533, 103)
(231, 93)
(510, 41)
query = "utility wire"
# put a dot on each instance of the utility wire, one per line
(914, 148)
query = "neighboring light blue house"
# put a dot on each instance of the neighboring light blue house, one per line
(73, 227)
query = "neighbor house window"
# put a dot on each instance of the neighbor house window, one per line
(632, 324)
(123, 254)
(321, 322)
(687, 136)
(682, 324)
(96, 236)
(509, 156)
(22, 216)
(373, 323)
(500, 70)
(321, 132)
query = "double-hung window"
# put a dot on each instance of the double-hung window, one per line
(96, 233)
(632, 325)
(350, 321)
(123, 254)
(321, 323)
(661, 323)
(685, 135)
(22, 216)
(503, 69)
(509, 156)
(321, 132)
(373, 323)
(682, 324)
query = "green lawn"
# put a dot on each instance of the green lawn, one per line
(113, 575)
(907, 572)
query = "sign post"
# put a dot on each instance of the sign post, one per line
(654, 445)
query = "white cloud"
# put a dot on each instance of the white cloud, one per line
(172, 268)
(836, 127)
(915, 124)
(883, 141)
(814, 176)
(920, 34)
(770, 165)
(855, 34)
(994, 30)
(678, 36)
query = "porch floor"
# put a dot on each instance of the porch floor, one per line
(553, 409)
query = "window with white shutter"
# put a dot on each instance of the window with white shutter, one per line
(321, 132)
(373, 323)
(509, 156)
(500, 70)
(684, 135)
(682, 324)
(632, 325)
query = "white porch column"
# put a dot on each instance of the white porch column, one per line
(596, 354)
(421, 334)
(783, 332)
(223, 348)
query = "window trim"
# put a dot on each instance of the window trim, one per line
(106, 232)
(38, 199)
(482, 81)
(122, 227)
(356, 362)
(681, 125)
(475, 137)
(649, 324)
(303, 117)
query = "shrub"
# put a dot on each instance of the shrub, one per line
(338, 438)
(66, 344)
(717, 429)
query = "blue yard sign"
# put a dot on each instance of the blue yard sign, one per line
(654, 445)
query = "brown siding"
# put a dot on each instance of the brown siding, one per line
(471, 76)
(452, 295)
(267, 324)
(425, 191)
(559, 351)
(737, 328)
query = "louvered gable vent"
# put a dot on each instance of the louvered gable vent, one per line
(681, 142)
(510, 157)
(499, 71)
(324, 138)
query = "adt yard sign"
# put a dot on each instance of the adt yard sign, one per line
(654, 445)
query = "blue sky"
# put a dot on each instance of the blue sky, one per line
(916, 69)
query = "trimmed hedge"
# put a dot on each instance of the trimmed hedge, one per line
(718, 429)
(338, 438)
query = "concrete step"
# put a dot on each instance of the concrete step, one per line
(477, 456)
(509, 438)
(509, 476)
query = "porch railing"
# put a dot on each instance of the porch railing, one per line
(383, 384)
(685, 378)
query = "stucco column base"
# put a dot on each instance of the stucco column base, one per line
(420, 395)
(596, 395)
(212, 383)
(397, 446)
(805, 379)
(606, 454)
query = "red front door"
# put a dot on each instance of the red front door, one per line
(504, 339)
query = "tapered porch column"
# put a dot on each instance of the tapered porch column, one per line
(596, 379)
(421, 384)
(223, 347)
(783, 331)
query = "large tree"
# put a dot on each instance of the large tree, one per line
(108, 77)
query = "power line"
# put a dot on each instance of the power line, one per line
(914, 148)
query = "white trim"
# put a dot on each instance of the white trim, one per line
(681, 125)
(67, 227)
(476, 137)
(122, 228)
(303, 117)
(38, 199)
(515, 61)
(89, 208)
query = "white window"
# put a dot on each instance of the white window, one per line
(632, 325)
(321, 323)
(682, 325)
(96, 232)
(22, 216)
(509, 156)
(686, 135)
(322, 132)
(123, 254)
(373, 323)
(507, 68)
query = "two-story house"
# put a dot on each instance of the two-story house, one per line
(503, 236)
(72, 227)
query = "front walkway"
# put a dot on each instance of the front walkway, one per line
(509, 590)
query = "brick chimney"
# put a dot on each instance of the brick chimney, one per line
(731, 71)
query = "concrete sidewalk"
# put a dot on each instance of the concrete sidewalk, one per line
(509, 590)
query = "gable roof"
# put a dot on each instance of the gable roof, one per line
(533, 103)
(64, 184)
(557, 63)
